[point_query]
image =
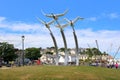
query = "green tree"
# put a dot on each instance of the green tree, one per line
(63, 49)
(95, 51)
(32, 53)
(7, 51)
(48, 52)
(91, 52)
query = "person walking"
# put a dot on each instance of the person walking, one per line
(108, 65)
(116, 65)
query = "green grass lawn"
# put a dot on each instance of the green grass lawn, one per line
(59, 73)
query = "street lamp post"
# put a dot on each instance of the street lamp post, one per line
(23, 37)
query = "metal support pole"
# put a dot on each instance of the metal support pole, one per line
(76, 43)
(55, 17)
(65, 45)
(64, 41)
(23, 37)
(53, 38)
(56, 47)
(71, 23)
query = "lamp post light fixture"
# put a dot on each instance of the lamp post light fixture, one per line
(23, 37)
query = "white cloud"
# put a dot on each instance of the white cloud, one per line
(113, 15)
(25, 27)
(2, 19)
(36, 35)
(92, 18)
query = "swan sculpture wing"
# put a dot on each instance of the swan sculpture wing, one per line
(62, 26)
(43, 22)
(56, 15)
(46, 24)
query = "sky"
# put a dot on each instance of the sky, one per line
(101, 22)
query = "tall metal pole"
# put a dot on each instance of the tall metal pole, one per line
(53, 38)
(64, 41)
(98, 50)
(55, 44)
(65, 45)
(97, 44)
(23, 37)
(76, 42)
(71, 23)
(55, 17)
(116, 52)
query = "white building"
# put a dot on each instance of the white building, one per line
(47, 58)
